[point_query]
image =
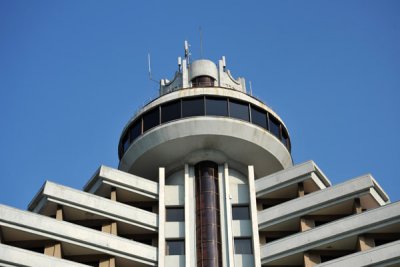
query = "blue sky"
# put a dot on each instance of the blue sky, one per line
(73, 72)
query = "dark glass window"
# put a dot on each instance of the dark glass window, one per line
(171, 111)
(216, 106)
(151, 119)
(136, 129)
(259, 117)
(243, 246)
(175, 214)
(274, 126)
(175, 247)
(239, 110)
(285, 137)
(192, 107)
(126, 142)
(203, 81)
(240, 213)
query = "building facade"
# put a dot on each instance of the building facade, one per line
(205, 178)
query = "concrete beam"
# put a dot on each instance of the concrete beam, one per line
(115, 211)
(384, 255)
(347, 227)
(317, 201)
(23, 257)
(74, 234)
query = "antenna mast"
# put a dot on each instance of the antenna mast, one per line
(187, 53)
(149, 62)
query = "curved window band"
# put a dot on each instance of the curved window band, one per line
(203, 106)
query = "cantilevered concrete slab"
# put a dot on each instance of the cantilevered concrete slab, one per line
(284, 183)
(52, 194)
(140, 189)
(385, 255)
(12, 256)
(364, 187)
(383, 219)
(31, 225)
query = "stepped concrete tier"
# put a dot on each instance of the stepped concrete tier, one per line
(205, 178)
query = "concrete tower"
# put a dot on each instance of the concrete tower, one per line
(205, 179)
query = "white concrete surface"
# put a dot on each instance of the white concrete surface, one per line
(119, 179)
(384, 255)
(66, 196)
(319, 200)
(74, 234)
(292, 176)
(13, 257)
(334, 231)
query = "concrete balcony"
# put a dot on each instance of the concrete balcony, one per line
(338, 235)
(80, 206)
(336, 200)
(24, 229)
(130, 188)
(11, 256)
(285, 182)
(385, 255)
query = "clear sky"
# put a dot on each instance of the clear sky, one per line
(73, 72)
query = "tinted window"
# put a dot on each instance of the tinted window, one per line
(192, 107)
(151, 119)
(136, 129)
(274, 126)
(285, 137)
(239, 110)
(171, 111)
(217, 106)
(176, 214)
(175, 247)
(240, 213)
(126, 142)
(203, 81)
(243, 246)
(259, 117)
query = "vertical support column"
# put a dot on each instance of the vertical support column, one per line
(311, 259)
(113, 194)
(222, 204)
(365, 243)
(1, 236)
(188, 223)
(306, 224)
(357, 209)
(161, 217)
(111, 227)
(253, 217)
(54, 248)
(107, 262)
(192, 216)
(300, 190)
(228, 210)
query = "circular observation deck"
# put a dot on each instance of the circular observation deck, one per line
(208, 123)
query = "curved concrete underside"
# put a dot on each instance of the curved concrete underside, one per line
(206, 138)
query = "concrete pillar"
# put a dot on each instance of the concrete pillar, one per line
(53, 249)
(107, 262)
(226, 222)
(113, 195)
(161, 217)
(188, 223)
(253, 217)
(311, 259)
(357, 209)
(365, 243)
(300, 189)
(306, 224)
(110, 228)
(59, 213)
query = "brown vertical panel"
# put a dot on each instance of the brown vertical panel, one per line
(208, 240)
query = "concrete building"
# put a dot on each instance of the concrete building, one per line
(205, 178)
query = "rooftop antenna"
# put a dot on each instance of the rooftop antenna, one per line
(201, 42)
(251, 89)
(187, 53)
(150, 77)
